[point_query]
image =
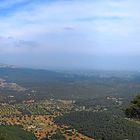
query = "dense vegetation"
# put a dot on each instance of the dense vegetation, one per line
(14, 133)
(102, 125)
(51, 84)
(57, 136)
(133, 110)
(101, 94)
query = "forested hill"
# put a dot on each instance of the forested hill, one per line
(101, 125)
(35, 75)
(86, 84)
(28, 75)
(15, 133)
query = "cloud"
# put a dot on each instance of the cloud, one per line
(11, 45)
(110, 18)
(69, 28)
(32, 18)
(24, 43)
(56, 27)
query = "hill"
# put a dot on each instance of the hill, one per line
(15, 133)
(101, 125)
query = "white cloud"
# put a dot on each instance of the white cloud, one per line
(90, 27)
(35, 19)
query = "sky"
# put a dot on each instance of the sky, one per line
(70, 34)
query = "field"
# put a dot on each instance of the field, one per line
(39, 118)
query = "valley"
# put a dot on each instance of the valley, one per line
(66, 105)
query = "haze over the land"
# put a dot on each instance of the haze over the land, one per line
(91, 34)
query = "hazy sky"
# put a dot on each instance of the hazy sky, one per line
(89, 34)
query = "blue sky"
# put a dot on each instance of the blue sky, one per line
(87, 34)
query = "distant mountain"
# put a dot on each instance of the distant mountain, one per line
(25, 75)
(6, 66)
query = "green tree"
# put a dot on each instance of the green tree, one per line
(133, 110)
